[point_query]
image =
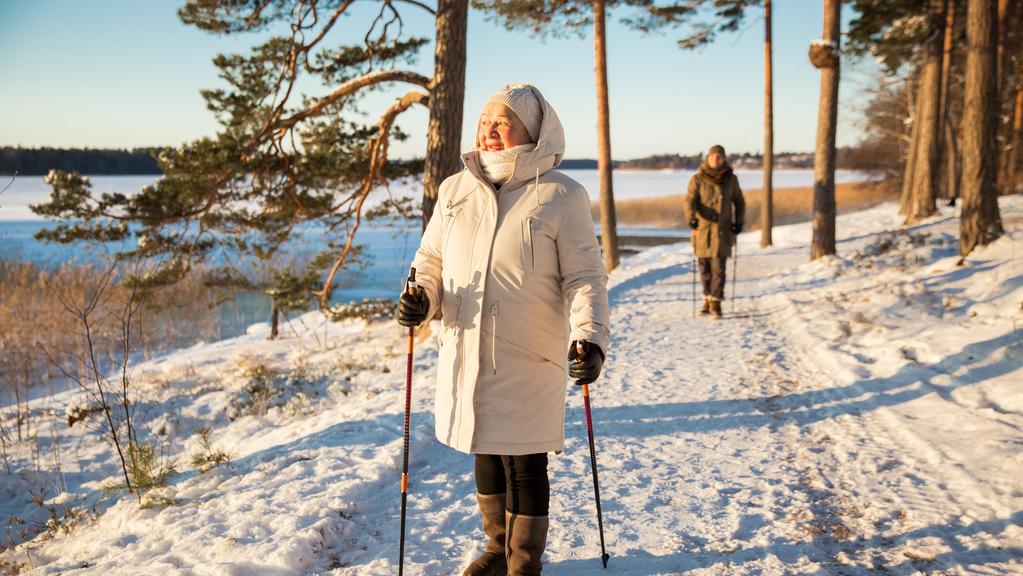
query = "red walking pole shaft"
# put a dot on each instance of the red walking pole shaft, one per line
(593, 466)
(410, 287)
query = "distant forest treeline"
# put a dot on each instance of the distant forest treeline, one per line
(94, 161)
(847, 158)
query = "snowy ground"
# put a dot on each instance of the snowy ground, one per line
(860, 414)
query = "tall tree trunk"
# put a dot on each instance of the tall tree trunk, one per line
(827, 124)
(1004, 15)
(1011, 182)
(608, 225)
(979, 221)
(952, 161)
(948, 130)
(447, 95)
(767, 210)
(927, 120)
(913, 88)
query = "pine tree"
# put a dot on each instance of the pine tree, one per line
(980, 222)
(283, 158)
(923, 176)
(824, 54)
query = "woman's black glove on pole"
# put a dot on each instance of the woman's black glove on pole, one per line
(412, 308)
(585, 367)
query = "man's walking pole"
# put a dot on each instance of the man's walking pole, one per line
(735, 267)
(694, 282)
(593, 463)
(410, 287)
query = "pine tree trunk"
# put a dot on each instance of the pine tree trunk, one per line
(952, 161)
(1017, 140)
(447, 95)
(767, 210)
(927, 120)
(951, 185)
(608, 225)
(913, 88)
(824, 157)
(979, 220)
(1004, 15)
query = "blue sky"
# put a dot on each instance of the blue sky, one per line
(125, 73)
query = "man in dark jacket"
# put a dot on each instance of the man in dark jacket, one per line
(716, 211)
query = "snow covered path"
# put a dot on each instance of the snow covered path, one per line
(766, 444)
(857, 415)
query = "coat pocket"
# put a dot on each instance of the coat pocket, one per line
(528, 245)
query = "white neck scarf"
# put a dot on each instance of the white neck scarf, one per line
(498, 165)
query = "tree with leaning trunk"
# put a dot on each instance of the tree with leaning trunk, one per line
(284, 158)
(979, 221)
(824, 55)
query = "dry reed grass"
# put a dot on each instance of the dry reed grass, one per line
(35, 327)
(791, 205)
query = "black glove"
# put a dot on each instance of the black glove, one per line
(736, 227)
(585, 367)
(412, 308)
(694, 223)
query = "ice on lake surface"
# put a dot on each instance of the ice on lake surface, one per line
(627, 184)
(389, 249)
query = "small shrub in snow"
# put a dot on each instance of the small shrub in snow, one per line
(65, 521)
(207, 458)
(144, 469)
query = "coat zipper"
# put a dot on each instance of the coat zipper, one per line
(493, 337)
(529, 240)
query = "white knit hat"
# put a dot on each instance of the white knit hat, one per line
(522, 101)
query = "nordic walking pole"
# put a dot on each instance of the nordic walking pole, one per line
(410, 287)
(735, 268)
(593, 462)
(693, 283)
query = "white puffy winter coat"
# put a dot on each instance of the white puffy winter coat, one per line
(515, 275)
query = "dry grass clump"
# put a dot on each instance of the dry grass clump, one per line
(791, 205)
(35, 327)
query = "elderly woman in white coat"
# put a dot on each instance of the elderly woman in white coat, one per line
(510, 264)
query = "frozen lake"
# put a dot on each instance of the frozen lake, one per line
(390, 249)
(31, 189)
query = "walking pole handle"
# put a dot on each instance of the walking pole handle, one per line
(411, 284)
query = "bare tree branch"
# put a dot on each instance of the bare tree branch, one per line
(351, 87)
(378, 158)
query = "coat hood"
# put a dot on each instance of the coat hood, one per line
(550, 149)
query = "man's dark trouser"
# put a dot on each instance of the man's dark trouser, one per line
(522, 478)
(712, 274)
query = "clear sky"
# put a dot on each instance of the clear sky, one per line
(126, 73)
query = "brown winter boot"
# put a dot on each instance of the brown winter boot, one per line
(527, 538)
(706, 306)
(715, 309)
(492, 562)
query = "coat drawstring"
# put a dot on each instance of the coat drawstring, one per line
(536, 186)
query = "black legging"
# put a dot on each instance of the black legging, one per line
(522, 478)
